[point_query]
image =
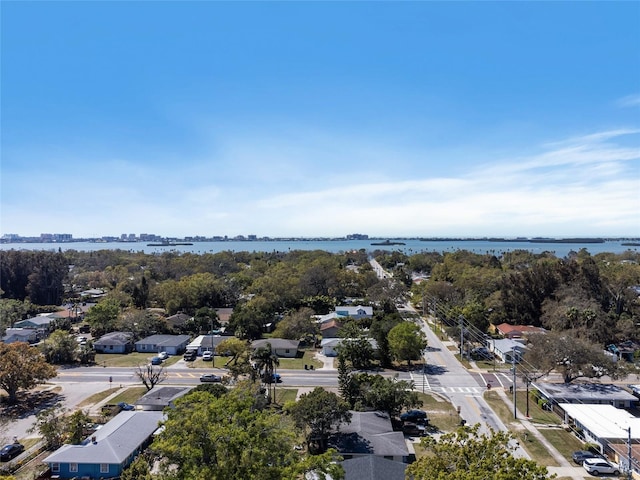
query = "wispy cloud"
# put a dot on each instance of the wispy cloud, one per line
(629, 101)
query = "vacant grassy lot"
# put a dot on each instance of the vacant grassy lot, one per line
(443, 417)
(299, 363)
(132, 359)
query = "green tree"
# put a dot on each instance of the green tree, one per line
(466, 454)
(22, 367)
(375, 392)
(407, 342)
(240, 353)
(139, 469)
(570, 356)
(266, 362)
(298, 325)
(60, 348)
(103, 317)
(316, 413)
(49, 424)
(226, 438)
(355, 346)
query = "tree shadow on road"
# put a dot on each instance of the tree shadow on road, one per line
(29, 403)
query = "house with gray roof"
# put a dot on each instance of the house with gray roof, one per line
(161, 397)
(27, 335)
(207, 343)
(372, 467)
(281, 347)
(40, 323)
(109, 450)
(114, 342)
(586, 393)
(370, 433)
(172, 344)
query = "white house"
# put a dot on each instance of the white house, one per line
(507, 350)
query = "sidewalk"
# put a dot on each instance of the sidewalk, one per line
(565, 469)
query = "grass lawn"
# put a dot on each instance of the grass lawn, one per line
(299, 363)
(536, 449)
(132, 359)
(97, 397)
(284, 395)
(128, 395)
(442, 415)
(501, 409)
(565, 442)
(536, 414)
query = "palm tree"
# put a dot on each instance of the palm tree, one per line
(266, 362)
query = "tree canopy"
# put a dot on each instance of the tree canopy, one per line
(407, 342)
(22, 366)
(227, 438)
(570, 356)
(467, 454)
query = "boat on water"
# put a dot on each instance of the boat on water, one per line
(168, 244)
(388, 242)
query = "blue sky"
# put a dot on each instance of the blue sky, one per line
(320, 118)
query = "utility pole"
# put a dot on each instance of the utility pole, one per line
(630, 471)
(461, 319)
(513, 364)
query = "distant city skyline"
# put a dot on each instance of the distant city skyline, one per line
(312, 119)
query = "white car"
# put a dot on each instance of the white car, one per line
(207, 356)
(596, 466)
(163, 355)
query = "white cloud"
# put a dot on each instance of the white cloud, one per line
(629, 101)
(585, 185)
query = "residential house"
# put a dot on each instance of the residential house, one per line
(372, 467)
(329, 346)
(330, 329)
(517, 331)
(602, 425)
(356, 312)
(109, 451)
(281, 347)
(26, 335)
(158, 398)
(370, 433)
(507, 350)
(620, 454)
(114, 342)
(178, 320)
(39, 323)
(224, 314)
(204, 343)
(172, 344)
(586, 393)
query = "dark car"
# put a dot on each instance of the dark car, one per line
(126, 406)
(11, 451)
(156, 361)
(414, 416)
(481, 353)
(581, 455)
(413, 429)
(210, 377)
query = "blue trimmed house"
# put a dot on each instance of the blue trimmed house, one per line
(109, 450)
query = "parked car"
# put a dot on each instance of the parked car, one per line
(11, 451)
(581, 455)
(481, 353)
(275, 378)
(163, 355)
(207, 356)
(414, 416)
(596, 466)
(190, 355)
(126, 406)
(210, 377)
(414, 429)
(156, 361)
